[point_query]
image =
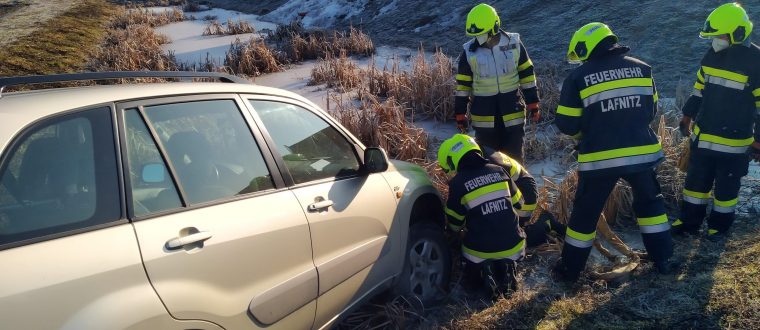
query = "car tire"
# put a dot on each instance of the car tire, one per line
(427, 265)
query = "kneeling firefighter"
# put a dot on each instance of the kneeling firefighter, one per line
(482, 199)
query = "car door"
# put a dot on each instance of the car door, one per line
(350, 213)
(221, 238)
(70, 258)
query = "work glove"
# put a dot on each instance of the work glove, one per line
(533, 113)
(685, 126)
(462, 123)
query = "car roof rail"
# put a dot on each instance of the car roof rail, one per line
(106, 75)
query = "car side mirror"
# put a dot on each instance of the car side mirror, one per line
(153, 173)
(375, 160)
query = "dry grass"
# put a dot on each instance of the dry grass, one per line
(214, 28)
(61, 44)
(300, 44)
(337, 72)
(143, 16)
(19, 18)
(548, 78)
(232, 28)
(251, 58)
(382, 124)
(427, 89)
(134, 48)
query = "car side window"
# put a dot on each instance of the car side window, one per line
(311, 148)
(150, 183)
(61, 175)
(211, 149)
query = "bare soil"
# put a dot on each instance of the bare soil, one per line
(19, 18)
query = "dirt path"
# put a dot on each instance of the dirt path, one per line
(25, 16)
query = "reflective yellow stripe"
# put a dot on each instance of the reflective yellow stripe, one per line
(516, 197)
(726, 141)
(725, 74)
(454, 214)
(525, 65)
(528, 79)
(757, 104)
(630, 82)
(696, 194)
(579, 236)
(712, 231)
(756, 92)
(677, 223)
(482, 118)
(567, 111)
(512, 116)
(656, 96)
(473, 195)
(454, 227)
(699, 86)
(463, 77)
(726, 203)
(700, 77)
(529, 207)
(616, 153)
(495, 255)
(463, 88)
(651, 221)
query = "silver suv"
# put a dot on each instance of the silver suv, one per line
(200, 205)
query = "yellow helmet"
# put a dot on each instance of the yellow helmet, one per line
(482, 19)
(728, 19)
(586, 39)
(451, 151)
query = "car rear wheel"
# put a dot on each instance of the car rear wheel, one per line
(427, 266)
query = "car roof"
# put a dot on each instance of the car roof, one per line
(19, 109)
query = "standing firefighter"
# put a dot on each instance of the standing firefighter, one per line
(482, 199)
(493, 68)
(726, 105)
(606, 104)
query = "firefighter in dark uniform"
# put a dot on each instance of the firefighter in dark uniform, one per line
(482, 199)
(726, 105)
(607, 104)
(538, 232)
(495, 72)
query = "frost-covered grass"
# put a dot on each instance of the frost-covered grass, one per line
(61, 44)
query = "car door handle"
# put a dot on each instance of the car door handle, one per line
(179, 242)
(320, 205)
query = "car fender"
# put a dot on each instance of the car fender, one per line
(410, 183)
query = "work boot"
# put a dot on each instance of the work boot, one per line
(715, 236)
(667, 267)
(554, 224)
(490, 288)
(679, 229)
(563, 274)
(507, 277)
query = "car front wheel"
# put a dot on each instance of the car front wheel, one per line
(427, 266)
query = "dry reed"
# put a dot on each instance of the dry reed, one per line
(382, 124)
(251, 58)
(214, 28)
(144, 16)
(339, 72)
(300, 44)
(134, 48)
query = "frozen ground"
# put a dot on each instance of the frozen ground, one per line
(191, 46)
